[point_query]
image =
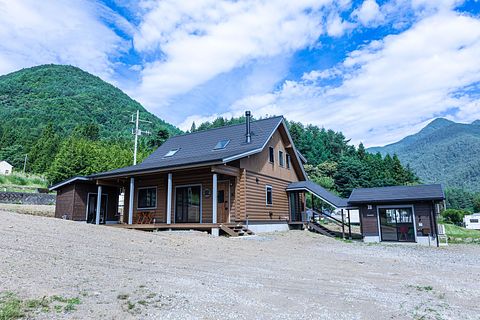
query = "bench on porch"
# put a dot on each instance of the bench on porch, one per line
(144, 217)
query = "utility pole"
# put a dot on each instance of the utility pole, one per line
(25, 163)
(137, 132)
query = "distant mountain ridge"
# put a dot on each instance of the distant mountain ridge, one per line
(442, 152)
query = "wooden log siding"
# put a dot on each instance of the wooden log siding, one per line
(158, 181)
(369, 218)
(256, 206)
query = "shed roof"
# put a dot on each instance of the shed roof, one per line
(397, 193)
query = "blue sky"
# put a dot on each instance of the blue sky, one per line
(376, 70)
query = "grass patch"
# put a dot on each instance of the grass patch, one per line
(458, 234)
(12, 307)
(22, 182)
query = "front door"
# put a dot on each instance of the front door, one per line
(188, 204)
(92, 208)
(223, 202)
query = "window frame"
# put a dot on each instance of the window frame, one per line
(288, 161)
(267, 188)
(138, 198)
(281, 160)
(271, 154)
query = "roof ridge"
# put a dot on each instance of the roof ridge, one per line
(401, 186)
(223, 127)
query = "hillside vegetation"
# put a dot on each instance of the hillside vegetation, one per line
(70, 122)
(63, 97)
(443, 152)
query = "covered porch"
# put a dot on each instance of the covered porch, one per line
(204, 198)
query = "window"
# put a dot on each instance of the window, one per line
(473, 220)
(171, 153)
(271, 155)
(288, 161)
(268, 195)
(221, 144)
(280, 158)
(147, 198)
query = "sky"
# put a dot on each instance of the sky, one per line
(375, 70)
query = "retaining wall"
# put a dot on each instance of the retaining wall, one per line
(27, 198)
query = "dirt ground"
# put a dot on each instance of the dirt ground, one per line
(36, 210)
(128, 274)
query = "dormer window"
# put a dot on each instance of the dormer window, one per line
(171, 153)
(221, 144)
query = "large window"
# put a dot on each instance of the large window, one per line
(147, 198)
(396, 224)
(268, 195)
(271, 155)
(280, 158)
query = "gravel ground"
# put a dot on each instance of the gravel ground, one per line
(128, 274)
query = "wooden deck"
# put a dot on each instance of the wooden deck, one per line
(173, 226)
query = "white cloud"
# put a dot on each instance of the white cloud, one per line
(64, 32)
(390, 87)
(201, 39)
(369, 13)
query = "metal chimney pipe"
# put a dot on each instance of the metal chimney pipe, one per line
(248, 134)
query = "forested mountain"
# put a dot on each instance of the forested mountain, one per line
(443, 152)
(334, 163)
(42, 106)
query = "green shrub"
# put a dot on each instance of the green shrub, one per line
(454, 216)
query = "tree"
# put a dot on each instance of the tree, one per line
(476, 203)
(44, 150)
(89, 131)
(193, 128)
(158, 138)
(454, 216)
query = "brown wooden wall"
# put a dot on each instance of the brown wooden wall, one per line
(64, 202)
(72, 201)
(256, 206)
(260, 163)
(422, 210)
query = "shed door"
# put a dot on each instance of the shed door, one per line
(92, 208)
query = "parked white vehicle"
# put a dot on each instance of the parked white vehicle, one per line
(472, 221)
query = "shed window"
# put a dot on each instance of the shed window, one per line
(281, 161)
(473, 220)
(268, 195)
(147, 198)
(271, 155)
(288, 161)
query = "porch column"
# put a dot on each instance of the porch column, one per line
(169, 199)
(130, 200)
(215, 231)
(99, 205)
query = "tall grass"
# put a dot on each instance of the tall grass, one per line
(20, 179)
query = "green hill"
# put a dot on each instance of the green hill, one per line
(66, 97)
(444, 151)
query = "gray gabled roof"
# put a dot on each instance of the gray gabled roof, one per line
(319, 191)
(198, 147)
(397, 193)
(64, 182)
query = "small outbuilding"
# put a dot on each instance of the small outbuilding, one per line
(399, 213)
(472, 221)
(5, 168)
